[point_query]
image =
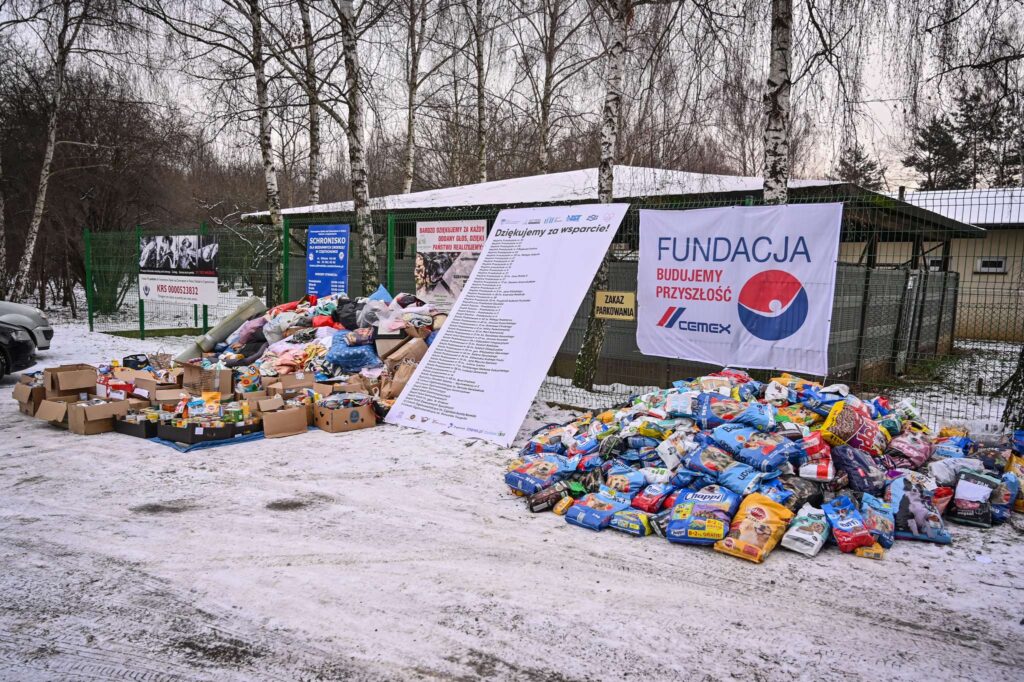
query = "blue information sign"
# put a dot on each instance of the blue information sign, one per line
(327, 259)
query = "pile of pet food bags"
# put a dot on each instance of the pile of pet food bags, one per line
(330, 338)
(744, 466)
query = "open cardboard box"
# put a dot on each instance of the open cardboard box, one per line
(197, 380)
(413, 349)
(69, 380)
(28, 396)
(289, 385)
(344, 419)
(80, 418)
(280, 421)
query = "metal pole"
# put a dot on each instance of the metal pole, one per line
(142, 304)
(87, 240)
(285, 270)
(206, 315)
(391, 253)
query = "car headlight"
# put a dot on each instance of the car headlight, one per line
(21, 335)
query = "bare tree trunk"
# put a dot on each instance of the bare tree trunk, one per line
(20, 288)
(776, 105)
(545, 101)
(356, 150)
(593, 338)
(481, 93)
(415, 38)
(266, 145)
(314, 108)
(1013, 389)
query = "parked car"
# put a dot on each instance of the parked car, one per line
(30, 319)
(17, 349)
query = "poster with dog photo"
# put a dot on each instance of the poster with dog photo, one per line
(446, 253)
(179, 268)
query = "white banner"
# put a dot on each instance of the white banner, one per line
(446, 252)
(747, 286)
(178, 289)
(481, 374)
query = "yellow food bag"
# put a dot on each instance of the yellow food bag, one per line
(948, 431)
(756, 529)
(1016, 467)
(794, 382)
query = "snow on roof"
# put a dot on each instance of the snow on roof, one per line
(569, 186)
(995, 206)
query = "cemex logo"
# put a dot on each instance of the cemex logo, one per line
(773, 305)
(670, 320)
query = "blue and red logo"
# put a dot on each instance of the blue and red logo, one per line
(671, 316)
(773, 305)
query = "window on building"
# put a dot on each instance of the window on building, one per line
(990, 265)
(934, 263)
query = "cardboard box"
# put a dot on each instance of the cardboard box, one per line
(197, 380)
(412, 349)
(290, 385)
(385, 343)
(193, 433)
(243, 429)
(344, 418)
(69, 380)
(157, 392)
(288, 421)
(85, 420)
(28, 397)
(132, 375)
(145, 429)
(250, 396)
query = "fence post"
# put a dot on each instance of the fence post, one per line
(142, 304)
(87, 241)
(206, 315)
(285, 248)
(390, 277)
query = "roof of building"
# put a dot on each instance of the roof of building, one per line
(630, 182)
(997, 206)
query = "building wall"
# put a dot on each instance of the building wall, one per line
(990, 306)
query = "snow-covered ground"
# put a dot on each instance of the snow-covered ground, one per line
(390, 553)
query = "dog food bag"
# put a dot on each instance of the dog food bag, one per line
(1003, 498)
(808, 531)
(952, 446)
(546, 499)
(714, 410)
(769, 452)
(847, 524)
(941, 497)
(819, 401)
(971, 498)
(993, 459)
(624, 478)
(891, 423)
(804, 492)
(915, 513)
(865, 475)
(540, 473)
(631, 521)
(652, 498)
(909, 450)
(946, 471)
(675, 448)
(595, 510)
(741, 478)
(709, 460)
(815, 448)
(875, 551)
(702, 517)
(776, 492)
(822, 471)
(563, 506)
(1016, 467)
(878, 519)
(756, 529)
(845, 425)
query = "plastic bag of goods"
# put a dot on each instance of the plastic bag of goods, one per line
(909, 450)
(971, 498)
(915, 513)
(808, 531)
(1016, 467)
(537, 474)
(878, 519)
(846, 425)
(702, 517)
(1003, 498)
(865, 474)
(631, 521)
(847, 524)
(595, 510)
(756, 529)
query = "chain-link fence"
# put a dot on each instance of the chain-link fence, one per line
(927, 305)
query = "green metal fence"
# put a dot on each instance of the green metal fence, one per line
(926, 305)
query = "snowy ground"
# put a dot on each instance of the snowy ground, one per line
(388, 553)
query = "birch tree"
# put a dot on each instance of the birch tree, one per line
(777, 105)
(226, 44)
(479, 26)
(62, 26)
(312, 108)
(551, 38)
